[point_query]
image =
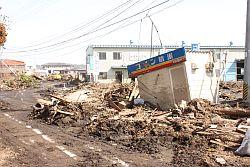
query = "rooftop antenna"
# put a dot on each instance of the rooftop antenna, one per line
(131, 42)
(231, 43)
(183, 43)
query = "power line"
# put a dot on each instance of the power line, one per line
(107, 20)
(80, 27)
(118, 28)
(96, 30)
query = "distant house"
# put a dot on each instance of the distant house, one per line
(78, 71)
(9, 68)
(55, 68)
(75, 70)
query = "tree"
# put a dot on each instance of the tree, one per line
(3, 29)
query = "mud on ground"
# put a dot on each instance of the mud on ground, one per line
(143, 129)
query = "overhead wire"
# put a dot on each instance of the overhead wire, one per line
(120, 27)
(84, 25)
(93, 31)
(99, 36)
(170, 6)
(107, 20)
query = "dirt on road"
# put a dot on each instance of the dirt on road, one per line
(30, 142)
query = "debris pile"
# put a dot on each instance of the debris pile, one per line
(4, 105)
(69, 104)
(199, 131)
(231, 90)
(21, 81)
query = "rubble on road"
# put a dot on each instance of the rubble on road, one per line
(199, 131)
(4, 105)
(231, 90)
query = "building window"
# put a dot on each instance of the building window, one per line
(103, 75)
(88, 59)
(218, 55)
(102, 55)
(117, 55)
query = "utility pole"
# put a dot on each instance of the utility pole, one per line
(246, 86)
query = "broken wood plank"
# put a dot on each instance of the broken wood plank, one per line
(121, 105)
(112, 104)
(63, 100)
(220, 144)
(64, 112)
(128, 112)
(44, 102)
(204, 133)
(242, 131)
(234, 112)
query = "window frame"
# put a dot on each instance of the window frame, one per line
(100, 54)
(118, 55)
(103, 75)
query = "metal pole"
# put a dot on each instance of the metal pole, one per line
(246, 87)
(151, 49)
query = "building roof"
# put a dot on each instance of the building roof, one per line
(79, 67)
(167, 46)
(56, 64)
(12, 62)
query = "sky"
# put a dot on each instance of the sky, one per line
(41, 31)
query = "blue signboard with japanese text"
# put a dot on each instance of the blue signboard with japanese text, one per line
(157, 62)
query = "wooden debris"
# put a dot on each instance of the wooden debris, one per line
(62, 100)
(112, 104)
(220, 144)
(64, 112)
(234, 112)
(128, 112)
(135, 93)
(240, 131)
(205, 133)
(121, 105)
(44, 102)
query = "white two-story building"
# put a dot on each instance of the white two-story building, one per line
(108, 63)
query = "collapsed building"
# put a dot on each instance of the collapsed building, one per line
(169, 78)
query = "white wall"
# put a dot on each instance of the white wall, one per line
(129, 56)
(202, 84)
(133, 55)
(164, 88)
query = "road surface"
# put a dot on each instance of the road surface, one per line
(26, 142)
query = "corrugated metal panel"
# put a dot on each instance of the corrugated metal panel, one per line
(231, 72)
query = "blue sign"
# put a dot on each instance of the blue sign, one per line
(195, 47)
(158, 62)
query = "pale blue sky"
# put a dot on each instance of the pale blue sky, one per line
(34, 22)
